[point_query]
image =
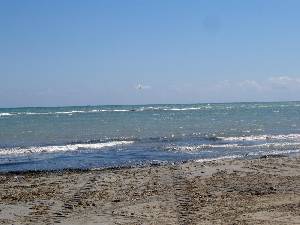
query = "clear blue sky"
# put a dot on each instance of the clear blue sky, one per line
(63, 52)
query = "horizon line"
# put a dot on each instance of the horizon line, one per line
(225, 102)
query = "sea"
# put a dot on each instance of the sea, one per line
(87, 137)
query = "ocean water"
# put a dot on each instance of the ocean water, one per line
(109, 136)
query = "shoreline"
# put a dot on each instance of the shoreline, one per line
(121, 167)
(264, 190)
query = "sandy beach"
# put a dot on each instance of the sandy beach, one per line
(258, 191)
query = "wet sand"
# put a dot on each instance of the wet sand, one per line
(259, 191)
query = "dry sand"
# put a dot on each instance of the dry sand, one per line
(260, 191)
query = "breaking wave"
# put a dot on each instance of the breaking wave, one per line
(263, 137)
(275, 107)
(265, 146)
(196, 148)
(6, 114)
(140, 109)
(60, 148)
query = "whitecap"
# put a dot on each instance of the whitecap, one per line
(263, 137)
(200, 147)
(35, 113)
(274, 152)
(277, 145)
(61, 148)
(185, 109)
(6, 114)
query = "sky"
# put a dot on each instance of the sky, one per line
(85, 52)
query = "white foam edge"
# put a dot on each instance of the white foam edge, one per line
(60, 148)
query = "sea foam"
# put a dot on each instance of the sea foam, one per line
(60, 148)
(263, 137)
(6, 114)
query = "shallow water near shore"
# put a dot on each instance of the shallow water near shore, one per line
(106, 136)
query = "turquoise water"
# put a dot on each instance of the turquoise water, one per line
(105, 136)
